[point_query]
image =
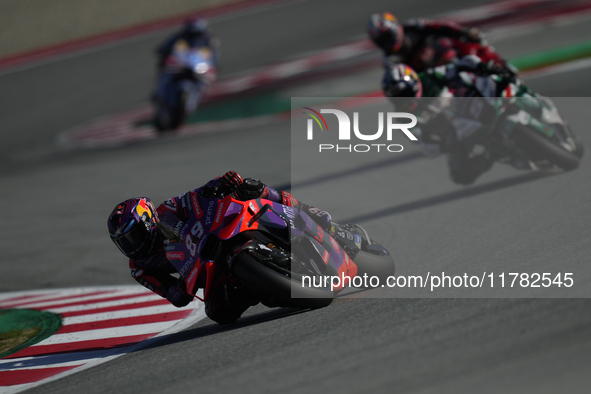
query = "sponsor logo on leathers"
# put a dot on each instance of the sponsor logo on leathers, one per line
(218, 215)
(178, 255)
(209, 213)
(195, 201)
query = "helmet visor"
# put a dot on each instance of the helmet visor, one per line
(132, 240)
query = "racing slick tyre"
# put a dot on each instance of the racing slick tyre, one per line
(178, 115)
(270, 282)
(177, 112)
(537, 147)
(159, 120)
(170, 118)
(579, 148)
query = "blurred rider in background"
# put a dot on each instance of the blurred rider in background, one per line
(437, 131)
(139, 231)
(194, 34)
(422, 43)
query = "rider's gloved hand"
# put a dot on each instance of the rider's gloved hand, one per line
(491, 67)
(177, 295)
(488, 68)
(229, 182)
(249, 189)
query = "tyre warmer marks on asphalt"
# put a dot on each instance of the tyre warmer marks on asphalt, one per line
(98, 324)
(121, 128)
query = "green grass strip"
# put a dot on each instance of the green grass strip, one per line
(243, 107)
(553, 56)
(21, 328)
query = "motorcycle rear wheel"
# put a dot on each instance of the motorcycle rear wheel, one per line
(538, 147)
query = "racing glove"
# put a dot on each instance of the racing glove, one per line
(177, 295)
(229, 182)
(491, 67)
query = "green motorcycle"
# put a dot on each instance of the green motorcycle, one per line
(503, 119)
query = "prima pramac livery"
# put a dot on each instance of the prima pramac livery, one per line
(243, 243)
(267, 249)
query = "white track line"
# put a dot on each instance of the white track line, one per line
(37, 298)
(38, 305)
(89, 359)
(106, 333)
(152, 310)
(98, 305)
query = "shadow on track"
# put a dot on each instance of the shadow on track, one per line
(451, 196)
(155, 342)
(214, 328)
(364, 168)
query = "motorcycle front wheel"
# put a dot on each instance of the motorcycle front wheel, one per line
(539, 147)
(170, 118)
(270, 282)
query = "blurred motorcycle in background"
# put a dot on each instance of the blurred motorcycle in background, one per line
(184, 77)
(480, 119)
(525, 131)
(479, 113)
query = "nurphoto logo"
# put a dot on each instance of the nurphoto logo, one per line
(344, 130)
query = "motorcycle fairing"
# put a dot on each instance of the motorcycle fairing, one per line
(225, 218)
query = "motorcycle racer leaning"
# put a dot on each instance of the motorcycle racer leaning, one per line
(437, 132)
(139, 231)
(422, 43)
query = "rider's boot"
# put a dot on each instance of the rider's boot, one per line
(349, 236)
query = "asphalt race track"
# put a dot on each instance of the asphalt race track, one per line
(55, 205)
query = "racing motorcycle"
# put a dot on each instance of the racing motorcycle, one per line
(513, 123)
(267, 249)
(186, 74)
